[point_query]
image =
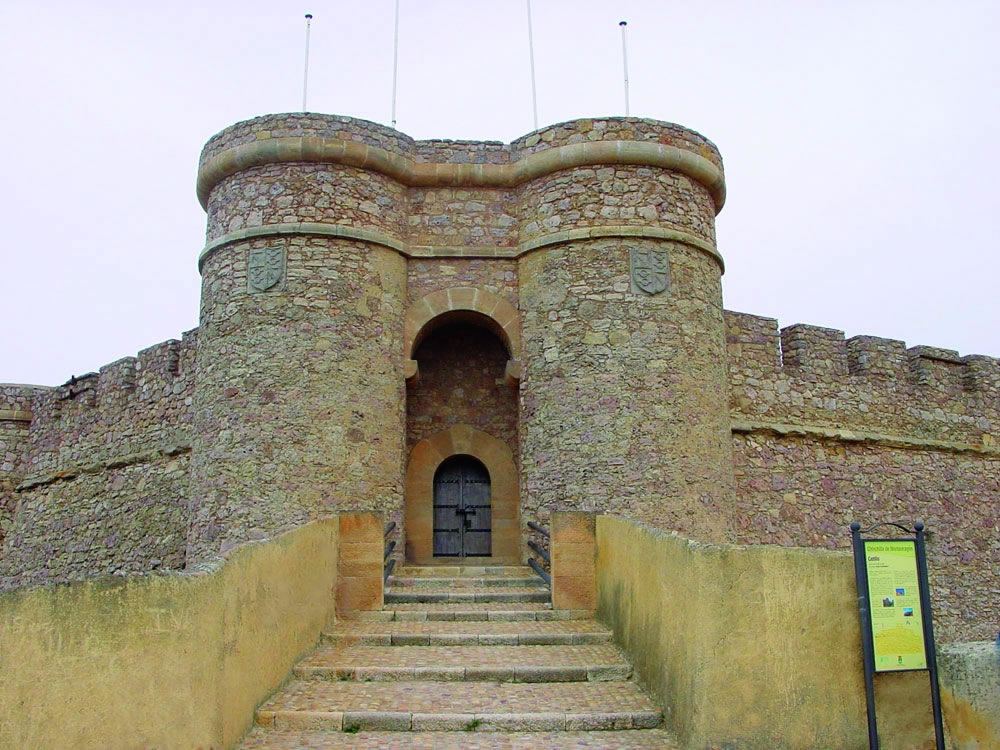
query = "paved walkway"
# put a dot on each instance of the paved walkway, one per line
(462, 658)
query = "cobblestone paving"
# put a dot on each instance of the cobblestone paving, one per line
(287, 740)
(311, 740)
(484, 674)
(463, 697)
(411, 661)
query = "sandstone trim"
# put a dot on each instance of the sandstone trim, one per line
(854, 436)
(628, 230)
(112, 463)
(428, 174)
(15, 415)
(341, 231)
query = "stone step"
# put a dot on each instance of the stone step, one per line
(597, 663)
(447, 583)
(470, 612)
(433, 596)
(460, 706)
(294, 739)
(468, 633)
(459, 571)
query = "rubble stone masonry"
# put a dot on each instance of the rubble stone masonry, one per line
(371, 302)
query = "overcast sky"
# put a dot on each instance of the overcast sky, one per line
(859, 139)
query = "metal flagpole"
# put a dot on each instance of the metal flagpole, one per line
(395, 63)
(531, 58)
(305, 75)
(623, 24)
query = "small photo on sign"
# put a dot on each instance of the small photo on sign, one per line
(907, 611)
(900, 592)
(888, 602)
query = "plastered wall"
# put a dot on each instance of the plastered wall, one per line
(759, 647)
(179, 660)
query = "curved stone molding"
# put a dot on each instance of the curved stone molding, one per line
(610, 232)
(434, 174)
(502, 314)
(496, 456)
(324, 230)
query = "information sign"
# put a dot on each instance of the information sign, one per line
(897, 626)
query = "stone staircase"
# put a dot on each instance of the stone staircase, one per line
(462, 657)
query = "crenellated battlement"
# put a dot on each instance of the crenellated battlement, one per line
(129, 406)
(804, 374)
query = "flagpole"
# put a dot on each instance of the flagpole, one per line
(531, 58)
(395, 63)
(623, 24)
(305, 74)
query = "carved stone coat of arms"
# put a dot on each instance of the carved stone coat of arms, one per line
(650, 270)
(266, 268)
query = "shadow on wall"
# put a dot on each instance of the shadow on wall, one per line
(760, 647)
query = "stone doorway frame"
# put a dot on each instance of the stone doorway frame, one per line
(424, 460)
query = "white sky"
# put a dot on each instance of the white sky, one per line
(859, 137)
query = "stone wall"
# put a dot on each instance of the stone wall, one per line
(813, 376)
(300, 395)
(16, 405)
(103, 485)
(461, 382)
(623, 392)
(828, 431)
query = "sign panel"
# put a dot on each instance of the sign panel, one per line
(894, 603)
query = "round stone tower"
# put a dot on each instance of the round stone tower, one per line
(624, 390)
(299, 395)
(341, 252)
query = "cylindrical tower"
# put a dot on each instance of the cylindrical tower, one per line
(299, 405)
(624, 387)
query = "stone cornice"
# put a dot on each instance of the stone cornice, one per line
(341, 231)
(861, 436)
(15, 415)
(180, 447)
(430, 174)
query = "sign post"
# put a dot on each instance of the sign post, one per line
(894, 604)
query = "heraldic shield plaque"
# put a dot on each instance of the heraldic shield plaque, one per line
(650, 270)
(266, 269)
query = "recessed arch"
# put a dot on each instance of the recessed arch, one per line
(427, 456)
(462, 303)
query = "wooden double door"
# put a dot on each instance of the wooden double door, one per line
(462, 512)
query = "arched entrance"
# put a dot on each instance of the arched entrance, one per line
(496, 457)
(462, 509)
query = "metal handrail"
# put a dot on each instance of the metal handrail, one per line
(541, 571)
(541, 552)
(388, 562)
(540, 529)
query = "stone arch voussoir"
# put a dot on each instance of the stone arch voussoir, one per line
(473, 303)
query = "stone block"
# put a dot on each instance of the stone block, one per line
(573, 527)
(574, 592)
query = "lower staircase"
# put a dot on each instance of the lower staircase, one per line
(462, 657)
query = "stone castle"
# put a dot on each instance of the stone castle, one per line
(539, 324)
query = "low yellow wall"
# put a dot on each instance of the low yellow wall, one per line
(970, 694)
(175, 661)
(750, 647)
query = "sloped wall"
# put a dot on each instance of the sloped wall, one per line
(163, 661)
(750, 647)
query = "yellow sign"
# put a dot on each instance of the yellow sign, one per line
(894, 603)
